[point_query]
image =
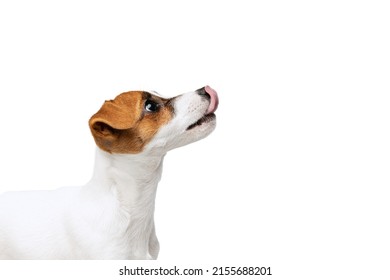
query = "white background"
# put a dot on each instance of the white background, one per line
(296, 175)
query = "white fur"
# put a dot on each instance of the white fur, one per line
(112, 216)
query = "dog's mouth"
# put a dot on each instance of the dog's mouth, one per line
(205, 119)
(213, 105)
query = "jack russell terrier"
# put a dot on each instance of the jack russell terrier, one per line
(112, 216)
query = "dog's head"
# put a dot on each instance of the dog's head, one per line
(138, 121)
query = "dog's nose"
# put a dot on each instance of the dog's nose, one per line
(202, 92)
(212, 96)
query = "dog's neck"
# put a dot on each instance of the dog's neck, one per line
(131, 181)
(132, 178)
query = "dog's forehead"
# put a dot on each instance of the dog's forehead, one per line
(157, 94)
(130, 95)
(138, 96)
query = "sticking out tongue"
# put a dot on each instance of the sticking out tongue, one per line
(213, 100)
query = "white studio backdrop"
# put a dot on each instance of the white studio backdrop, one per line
(295, 176)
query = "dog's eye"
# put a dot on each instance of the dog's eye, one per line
(151, 106)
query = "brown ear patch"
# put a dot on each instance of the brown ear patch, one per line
(122, 112)
(123, 126)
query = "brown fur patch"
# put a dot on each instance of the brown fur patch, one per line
(123, 125)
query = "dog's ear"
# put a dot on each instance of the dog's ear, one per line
(115, 116)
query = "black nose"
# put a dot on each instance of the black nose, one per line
(202, 92)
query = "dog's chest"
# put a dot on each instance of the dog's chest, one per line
(102, 229)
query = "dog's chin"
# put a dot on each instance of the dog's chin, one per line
(201, 129)
(203, 122)
(167, 140)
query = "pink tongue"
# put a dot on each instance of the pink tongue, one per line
(213, 100)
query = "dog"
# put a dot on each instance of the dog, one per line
(112, 216)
